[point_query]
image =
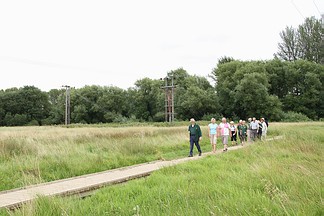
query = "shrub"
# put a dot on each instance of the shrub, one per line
(291, 116)
(208, 116)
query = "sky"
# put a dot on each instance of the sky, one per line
(114, 43)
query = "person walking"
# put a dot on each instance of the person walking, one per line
(260, 129)
(254, 129)
(248, 133)
(233, 133)
(242, 130)
(212, 132)
(264, 129)
(195, 136)
(225, 132)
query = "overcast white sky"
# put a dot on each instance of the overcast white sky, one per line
(51, 43)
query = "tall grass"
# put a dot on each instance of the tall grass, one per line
(282, 177)
(30, 155)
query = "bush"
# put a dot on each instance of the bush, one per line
(294, 117)
(33, 123)
(159, 117)
(208, 117)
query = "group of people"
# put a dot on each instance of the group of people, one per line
(247, 132)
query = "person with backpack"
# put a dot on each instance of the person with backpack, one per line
(212, 132)
(195, 136)
(224, 130)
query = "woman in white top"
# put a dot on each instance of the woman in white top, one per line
(264, 129)
(212, 132)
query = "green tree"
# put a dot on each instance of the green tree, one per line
(304, 42)
(57, 106)
(197, 102)
(34, 103)
(305, 83)
(225, 85)
(148, 99)
(242, 88)
(84, 105)
(278, 75)
(114, 103)
(288, 48)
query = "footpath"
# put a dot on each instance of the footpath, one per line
(12, 199)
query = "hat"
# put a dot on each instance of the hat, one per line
(231, 122)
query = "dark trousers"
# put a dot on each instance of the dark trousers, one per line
(192, 142)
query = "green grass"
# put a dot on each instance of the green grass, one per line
(282, 177)
(30, 155)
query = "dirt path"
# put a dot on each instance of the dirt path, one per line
(86, 183)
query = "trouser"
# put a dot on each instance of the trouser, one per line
(254, 134)
(249, 135)
(192, 142)
(264, 135)
(233, 137)
(242, 137)
(259, 134)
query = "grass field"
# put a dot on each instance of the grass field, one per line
(283, 177)
(30, 155)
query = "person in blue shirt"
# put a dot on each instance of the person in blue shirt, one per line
(212, 132)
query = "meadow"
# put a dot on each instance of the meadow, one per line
(31, 155)
(281, 177)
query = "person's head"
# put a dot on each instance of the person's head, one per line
(262, 119)
(243, 122)
(249, 119)
(192, 121)
(240, 122)
(254, 118)
(213, 120)
(224, 120)
(231, 123)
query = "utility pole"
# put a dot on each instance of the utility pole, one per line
(172, 98)
(169, 98)
(67, 104)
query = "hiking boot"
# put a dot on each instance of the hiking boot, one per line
(190, 156)
(199, 154)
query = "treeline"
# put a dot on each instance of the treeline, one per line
(103, 104)
(285, 89)
(243, 89)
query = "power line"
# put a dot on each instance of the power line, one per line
(293, 3)
(317, 8)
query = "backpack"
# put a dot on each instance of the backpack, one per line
(260, 125)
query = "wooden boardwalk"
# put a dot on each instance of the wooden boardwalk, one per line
(82, 184)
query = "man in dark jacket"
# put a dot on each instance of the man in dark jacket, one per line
(195, 136)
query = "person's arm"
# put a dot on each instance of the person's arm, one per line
(229, 130)
(217, 132)
(199, 132)
(189, 132)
